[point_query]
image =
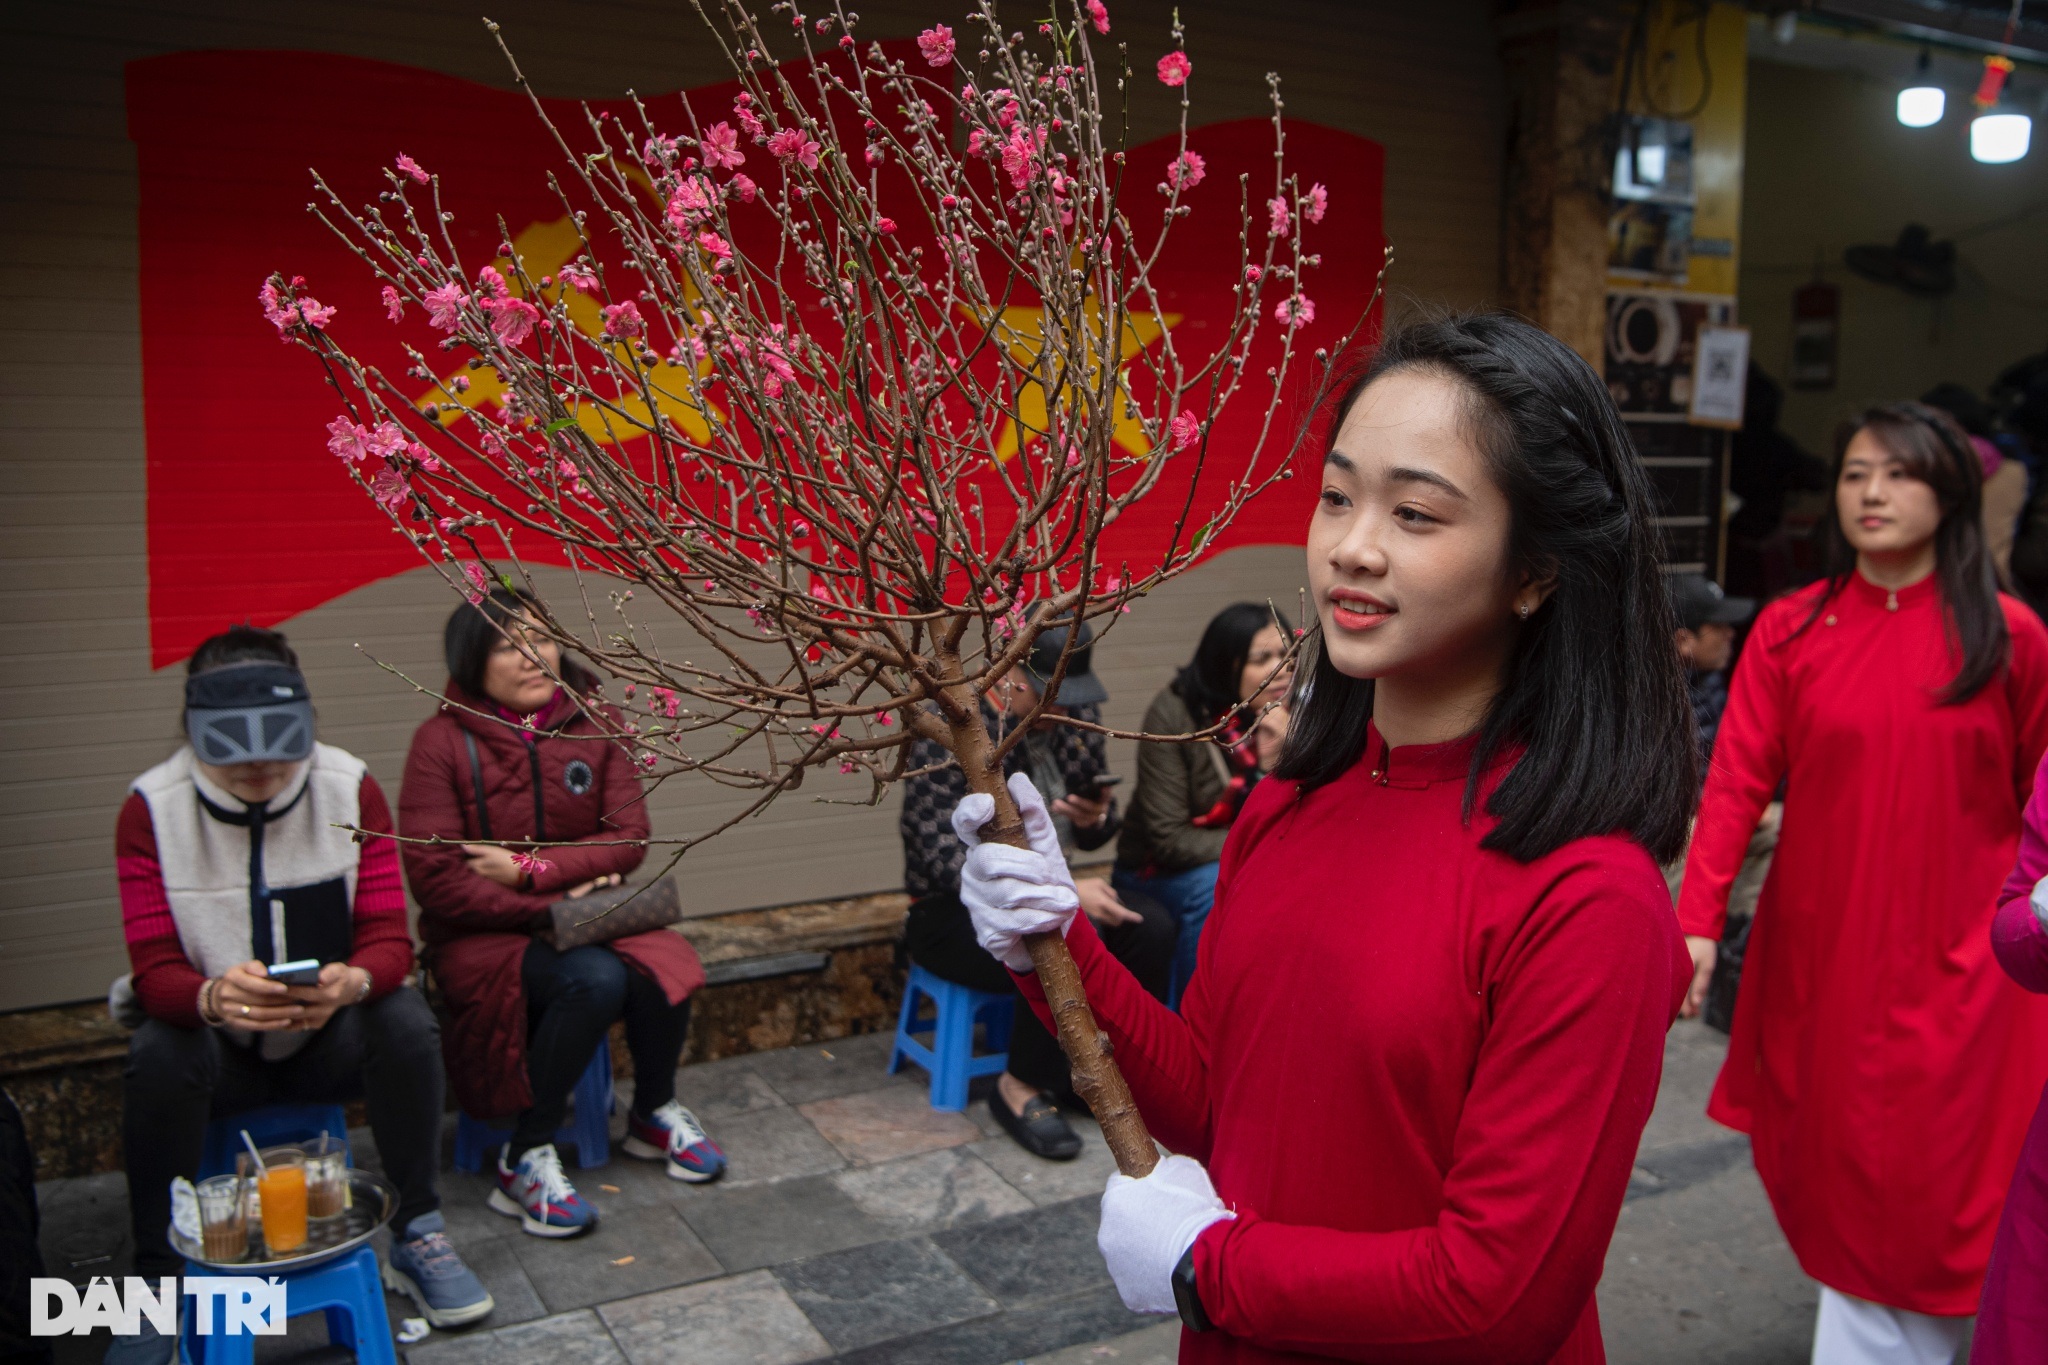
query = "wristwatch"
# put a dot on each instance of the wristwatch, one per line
(1185, 1296)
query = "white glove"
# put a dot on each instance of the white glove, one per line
(1011, 892)
(2039, 901)
(1149, 1224)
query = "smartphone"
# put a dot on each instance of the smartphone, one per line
(1103, 782)
(305, 972)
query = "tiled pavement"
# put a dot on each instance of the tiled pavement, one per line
(855, 1224)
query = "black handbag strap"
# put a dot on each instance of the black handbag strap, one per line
(476, 779)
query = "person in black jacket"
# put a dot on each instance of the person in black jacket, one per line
(21, 1258)
(1065, 764)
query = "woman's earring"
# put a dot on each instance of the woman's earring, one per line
(1525, 611)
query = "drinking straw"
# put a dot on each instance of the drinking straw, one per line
(254, 1155)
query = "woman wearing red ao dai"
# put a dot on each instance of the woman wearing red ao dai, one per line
(1882, 1064)
(1426, 1024)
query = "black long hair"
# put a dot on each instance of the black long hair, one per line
(1593, 693)
(1209, 682)
(1934, 448)
(474, 629)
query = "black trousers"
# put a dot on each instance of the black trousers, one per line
(20, 1257)
(387, 1052)
(571, 1000)
(940, 937)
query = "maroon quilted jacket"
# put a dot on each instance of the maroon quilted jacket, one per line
(558, 781)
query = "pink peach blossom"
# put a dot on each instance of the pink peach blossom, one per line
(390, 489)
(1317, 202)
(721, 148)
(579, 276)
(743, 188)
(1278, 223)
(479, 582)
(386, 439)
(292, 316)
(1185, 429)
(1018, 154)
(1098, 15)
(345, 440)
(407, 166)
(623, 320)
(1187, 171)
(394, 306)
(690, 205)
(937, 45)
(791, 144)
(444, 306)
(512, 319)
(528, 863)
(1174, 68)
(715, 244)
(1295, 312)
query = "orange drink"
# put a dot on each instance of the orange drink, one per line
(282, 1187)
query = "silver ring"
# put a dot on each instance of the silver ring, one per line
(245, 1011)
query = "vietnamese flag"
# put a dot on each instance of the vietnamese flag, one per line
(250, 518)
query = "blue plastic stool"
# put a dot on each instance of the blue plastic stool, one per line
(347, 1289)
(589, 1127)
(950, 1060)
(271, 1126)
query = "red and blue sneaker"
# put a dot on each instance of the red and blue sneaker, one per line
(673, 1132)
(541, 1197)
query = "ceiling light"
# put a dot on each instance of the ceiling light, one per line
(1921, 106)
(1998, 138)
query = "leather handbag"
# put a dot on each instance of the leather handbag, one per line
(614, 912)
(599, 916)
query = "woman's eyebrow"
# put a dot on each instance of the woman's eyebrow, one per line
(1341, 460)
(1404, 474)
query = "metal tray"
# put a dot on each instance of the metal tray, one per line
(373, 1201)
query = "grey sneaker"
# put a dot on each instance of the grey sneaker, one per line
(147, 1346)
(425, 1268)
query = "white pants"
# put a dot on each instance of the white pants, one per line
(1853, 1331)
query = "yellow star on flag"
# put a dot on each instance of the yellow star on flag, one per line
(1021, 332)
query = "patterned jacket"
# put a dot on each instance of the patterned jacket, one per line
(932, 855)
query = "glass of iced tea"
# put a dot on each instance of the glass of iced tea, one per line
(223, 1219)
(283, 1188)
(326, 1178)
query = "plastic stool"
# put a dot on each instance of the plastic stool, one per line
(271, 1126)
(347, 1289)
(950, 1060)
(589, 1126)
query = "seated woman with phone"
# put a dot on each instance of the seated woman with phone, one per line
(270, 955)
(1188, 795)
(1069, 768)
(518, 758)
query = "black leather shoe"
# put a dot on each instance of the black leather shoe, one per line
(1039, 1130)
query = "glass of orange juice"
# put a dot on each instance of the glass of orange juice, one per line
(282, 1187)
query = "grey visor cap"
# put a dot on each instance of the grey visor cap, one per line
(281, 733)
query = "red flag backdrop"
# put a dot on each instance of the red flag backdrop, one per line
(251, 519)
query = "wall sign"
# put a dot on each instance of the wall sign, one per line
(1816, 331)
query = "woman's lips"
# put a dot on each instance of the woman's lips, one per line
(1873, 523)
(1355, 613)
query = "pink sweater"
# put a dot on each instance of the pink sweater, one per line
(2012, 1322)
